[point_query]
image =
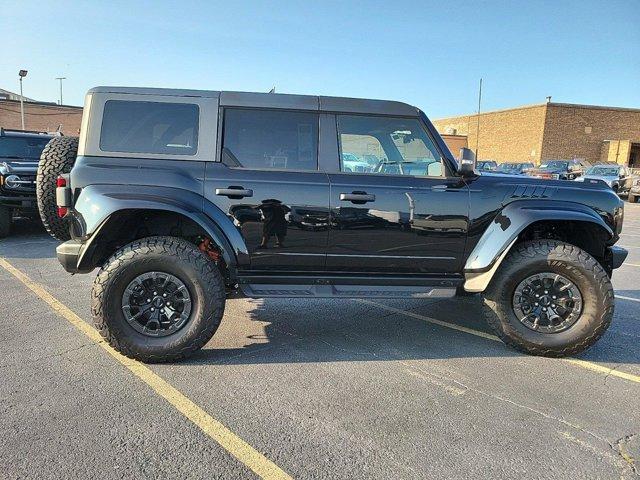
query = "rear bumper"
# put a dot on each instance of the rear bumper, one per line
(69, 254)
(617, 256)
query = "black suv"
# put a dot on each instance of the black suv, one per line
(181, 196)
(19, 155)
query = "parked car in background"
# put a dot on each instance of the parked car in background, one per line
(618, 177)
(634, 193)
(487, 166)
(353, 163)
(560, 169)
(515, 168)
(19, 155)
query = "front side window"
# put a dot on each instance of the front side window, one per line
(149, 127)
(387, 146)
(270, 139)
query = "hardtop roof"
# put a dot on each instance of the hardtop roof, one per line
(276, 100)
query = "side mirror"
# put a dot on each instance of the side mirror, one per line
(467, 162)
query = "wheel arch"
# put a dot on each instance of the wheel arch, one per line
(136, 212)
(520, 221)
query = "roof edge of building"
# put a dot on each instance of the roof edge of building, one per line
(537, 105)
(40, 104)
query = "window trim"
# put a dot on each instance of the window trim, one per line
(187, 156)
(221, 128)
(445, 168)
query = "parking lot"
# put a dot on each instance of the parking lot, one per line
(309, 389)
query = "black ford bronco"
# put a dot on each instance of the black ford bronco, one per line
(19, 155)
(181, 196)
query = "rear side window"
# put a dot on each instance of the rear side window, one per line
(270, 139)
(150, 127)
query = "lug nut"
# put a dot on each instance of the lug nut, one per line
(153, 309)
(164, 294)
(148, 300)
(554, 297)
(155, 293)
(536, 304)
(546, 291)
(544, 309)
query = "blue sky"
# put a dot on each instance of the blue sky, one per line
(430, 54)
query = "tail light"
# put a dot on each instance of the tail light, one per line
(61, 182)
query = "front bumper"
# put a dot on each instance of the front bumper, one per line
(617, 256)
(69, 254)
(19, 201)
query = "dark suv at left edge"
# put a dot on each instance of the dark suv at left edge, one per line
(19, 155)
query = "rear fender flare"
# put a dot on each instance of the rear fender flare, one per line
(96, 204)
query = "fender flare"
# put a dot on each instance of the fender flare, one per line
(503, 232)
(97, 204)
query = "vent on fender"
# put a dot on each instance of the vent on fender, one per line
(533, 191)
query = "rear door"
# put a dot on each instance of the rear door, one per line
(404, 214)
(267, 181)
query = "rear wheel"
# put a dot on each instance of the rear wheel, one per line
(158, 299)
(549, 298)
(6, 217)
(57, 158)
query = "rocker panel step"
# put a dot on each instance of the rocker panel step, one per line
(343, 291)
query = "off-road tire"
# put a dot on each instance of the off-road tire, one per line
(169, 255)
(57, 158)
(6, 217)
(569, 261)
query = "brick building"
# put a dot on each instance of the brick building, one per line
(550, 131)
(40, 116)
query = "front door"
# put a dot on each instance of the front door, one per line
(394, 207)
(269, 185)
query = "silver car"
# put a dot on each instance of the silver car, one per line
(617, 177)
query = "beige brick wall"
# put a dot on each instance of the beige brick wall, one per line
(513, 135)
(580, 131)
(41, 117)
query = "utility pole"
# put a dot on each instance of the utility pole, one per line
(21, 75)
(61, 79)
(478, 123)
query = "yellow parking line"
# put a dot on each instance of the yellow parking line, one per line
(228, 440)
(574, 361)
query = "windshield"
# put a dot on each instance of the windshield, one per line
(604, 171)
(555, 165)
(28, 148)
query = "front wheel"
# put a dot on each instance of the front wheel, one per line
(549, 298)
(158, 299)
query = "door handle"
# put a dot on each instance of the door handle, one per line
(234, 192)
(439, 188)
(357, 197)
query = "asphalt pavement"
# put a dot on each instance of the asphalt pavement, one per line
(309, 389)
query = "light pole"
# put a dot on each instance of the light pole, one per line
(22, 74)
(61, 79)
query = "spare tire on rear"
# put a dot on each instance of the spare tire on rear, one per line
(57, 158)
